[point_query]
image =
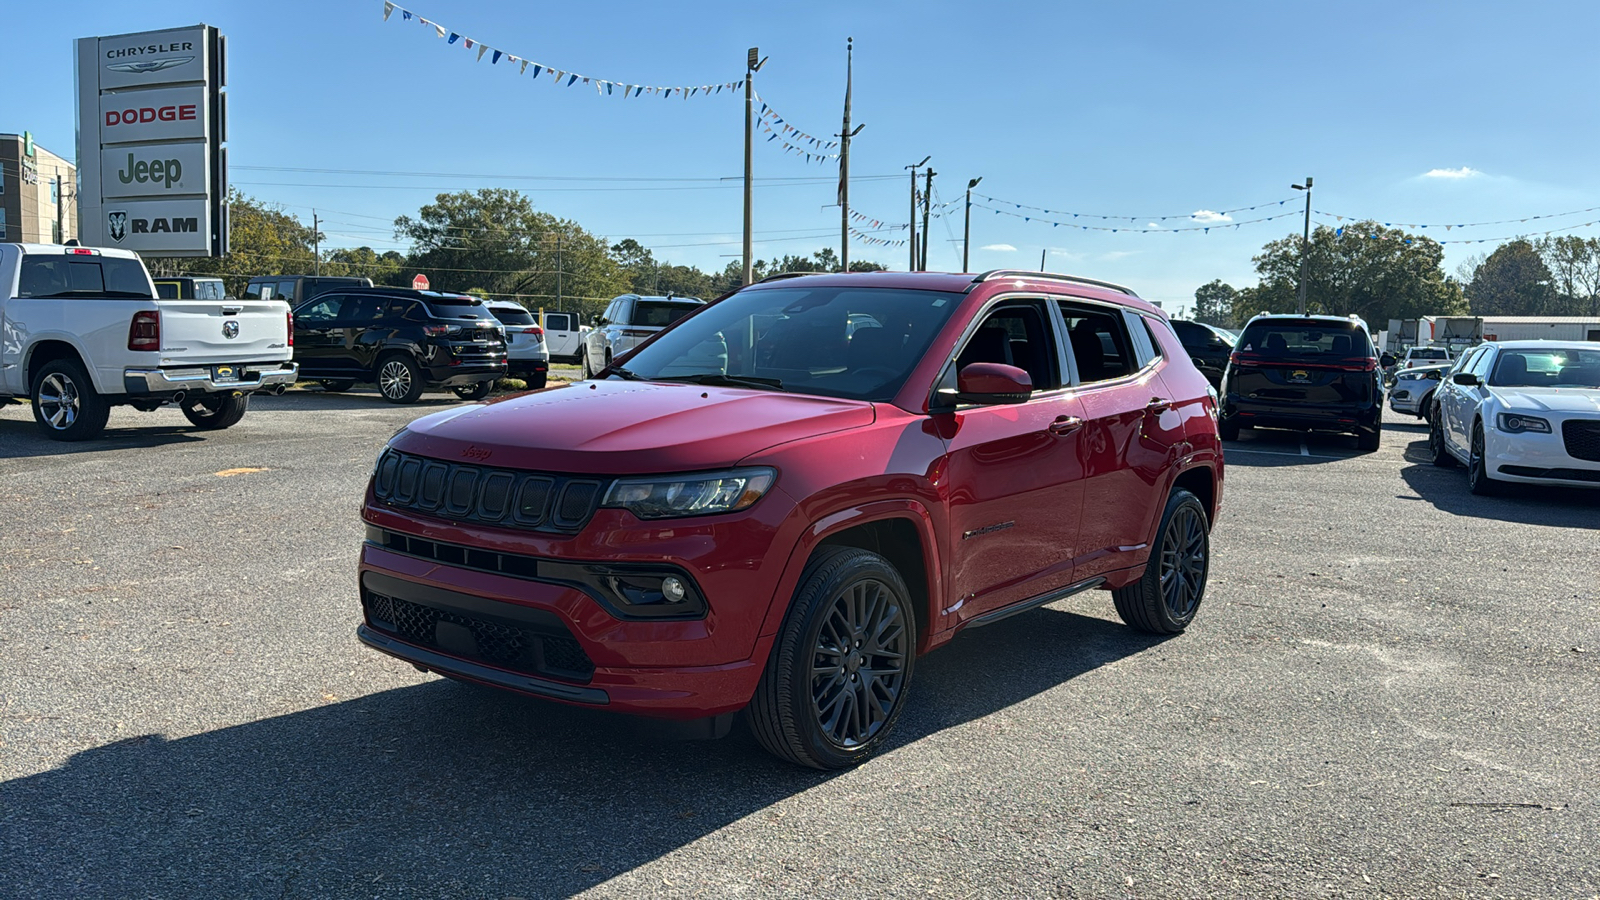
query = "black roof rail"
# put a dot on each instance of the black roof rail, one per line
(782, 275)
(993, 274)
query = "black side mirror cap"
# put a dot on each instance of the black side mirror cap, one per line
(1465, 379)
(1386, 360)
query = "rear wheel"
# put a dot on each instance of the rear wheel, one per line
(474, 391)
(537, 380)
(214, 412)
(837, 676)
(1228, 430)
(1165, 599)
(337, 387)
(584, 364)
(1436, 445)
(65, 404)
(1369, 439)
(399, 379)
(1478, 480)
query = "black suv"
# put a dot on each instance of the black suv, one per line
(402, 340)
(1207, 347)
(1318, 373)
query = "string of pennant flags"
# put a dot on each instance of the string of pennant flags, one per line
(875, 241)
(1341, 231)
(785, 128)
(1447, 227)
(875, 224)
(561, 77)
(1207, 228)
(1205, 215)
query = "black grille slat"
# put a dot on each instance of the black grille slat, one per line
(468, 493)
(1582, 439)
(509, 645)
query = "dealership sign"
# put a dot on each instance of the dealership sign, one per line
(151, 128)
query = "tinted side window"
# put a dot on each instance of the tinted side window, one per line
(167, 290)
(286, 291)
(656, 314)
(1100, 343)
(357, 310)
(253, 291)
(318, 313)
(557, 322)
(1014, 335)
(1192, 335)
(1480, 366)
(209, 290)
(1152, 329)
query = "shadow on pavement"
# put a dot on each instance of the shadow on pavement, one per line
(1446, 489)
(20, 439)
(1276, 447)
(358, 398)
(445, 789)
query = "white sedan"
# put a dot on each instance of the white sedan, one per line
(1521, 412)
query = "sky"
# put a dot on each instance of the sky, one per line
(1427, 113)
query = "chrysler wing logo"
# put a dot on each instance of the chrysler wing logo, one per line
(230, 329)
(144, 66)
(117, 225)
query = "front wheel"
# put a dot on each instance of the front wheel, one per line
(1165, 599)
(1478, 480)
(214, 412)
(66, 406)
(837, 677)
(400, 379)
(474, 391)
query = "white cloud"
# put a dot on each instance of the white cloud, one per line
(1068, 254)
(1002, 248)
(1463, 172)
(1115, 255)
(1151, 225)
(1206, 215)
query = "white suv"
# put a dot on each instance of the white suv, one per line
(625, 324)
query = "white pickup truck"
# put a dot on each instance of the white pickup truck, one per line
(82, 330)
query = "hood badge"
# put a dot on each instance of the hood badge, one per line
(477, 453)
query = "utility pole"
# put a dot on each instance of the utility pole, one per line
(1041, 258)
(845, 134)
(1305, 243)
(911, 225)
(316, 241)
(61, 200)
(966, 231)
(559, 268)
(927, 206)
(753, 64)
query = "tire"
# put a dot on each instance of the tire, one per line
(66, 406)
(1369, 439)
(399, 379)
(1228, 431)
(1478, 480)
(537, 382)
(799, 716)
(214, 412)
(474, 391)
(1436, 445)
(337, 387)
(584, 363)
(1165, 599)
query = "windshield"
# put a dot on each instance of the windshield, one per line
(1566, 367)
(856, 343)
(660, 313)
(67, 276)
(1305, 339)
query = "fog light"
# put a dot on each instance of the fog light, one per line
(673, 589)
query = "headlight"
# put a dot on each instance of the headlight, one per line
(674, 496)
(1516, 423)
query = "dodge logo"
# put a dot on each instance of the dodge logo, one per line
(117, 225)
(149, 65)
(230, 329)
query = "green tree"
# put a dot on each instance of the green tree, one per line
(1512, 281)
(1362, 268)
(1574, 265)
(263, 240)
(382, 268)
(1213, 303)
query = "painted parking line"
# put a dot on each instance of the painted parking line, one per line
(1304, 452)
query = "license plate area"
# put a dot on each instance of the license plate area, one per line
(226, 374)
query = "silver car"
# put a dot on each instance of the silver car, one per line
(627, 322)
(1413, 389)
(527, 357)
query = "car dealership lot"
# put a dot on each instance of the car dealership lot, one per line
(1389, 690)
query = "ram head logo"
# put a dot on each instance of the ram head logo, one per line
(117, 225)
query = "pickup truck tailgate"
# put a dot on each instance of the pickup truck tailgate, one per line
(207, 331)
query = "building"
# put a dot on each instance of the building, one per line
(37, 188)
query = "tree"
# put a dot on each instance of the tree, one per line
(1512, 281)
(1574, 265)
(263, 240)
(382, 268)
(1213, 303)
(1362, 268)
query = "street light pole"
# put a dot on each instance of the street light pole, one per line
(966, 231)
(912, 222)
(845, 135)
(753, 64)
(1305, 243)
(927, 204)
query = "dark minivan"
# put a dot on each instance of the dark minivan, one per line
(1208, 348)
(404, 341)
(1316, 373)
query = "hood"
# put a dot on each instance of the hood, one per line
(628, 427)
(1552, 399)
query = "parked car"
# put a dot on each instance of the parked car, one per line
(404, 341)
(190, 287)
(563, 336)
(628, 321)
(1413, 390)
(297, 289)
(526, 355)
(1317, 373)
(1208, 348)
(84, 331)
(1524, 412)
(784, 533)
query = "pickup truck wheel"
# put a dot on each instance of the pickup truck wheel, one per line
(1441, 454)
(214, 412)
(1165, 599)
(337, 387)
(837, 676)
(65, 404)
(474, 391)
(399, 379)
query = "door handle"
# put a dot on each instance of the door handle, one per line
(232, 310)
(1157, 404)
(1064, 425)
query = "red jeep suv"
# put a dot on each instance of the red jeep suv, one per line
(779, 503)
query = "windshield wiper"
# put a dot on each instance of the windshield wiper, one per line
(720, 380)
(624, 373)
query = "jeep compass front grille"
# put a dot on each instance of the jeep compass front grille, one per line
(547, 649)
(537, 501)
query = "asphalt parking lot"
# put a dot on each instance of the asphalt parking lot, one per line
(1390, 691)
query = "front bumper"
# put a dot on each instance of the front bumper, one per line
(1409, 400)
(209, 379)
(1537, 459)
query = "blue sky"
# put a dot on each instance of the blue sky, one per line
(1129, 109)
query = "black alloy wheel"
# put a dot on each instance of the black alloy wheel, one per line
(1436, 445)
(858, 668)
(1166, 597)
(1478, 480)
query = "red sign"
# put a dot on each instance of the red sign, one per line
(419, 283)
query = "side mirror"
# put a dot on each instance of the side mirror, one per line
(1465, 379)
(991, 383)
(1386, 360)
